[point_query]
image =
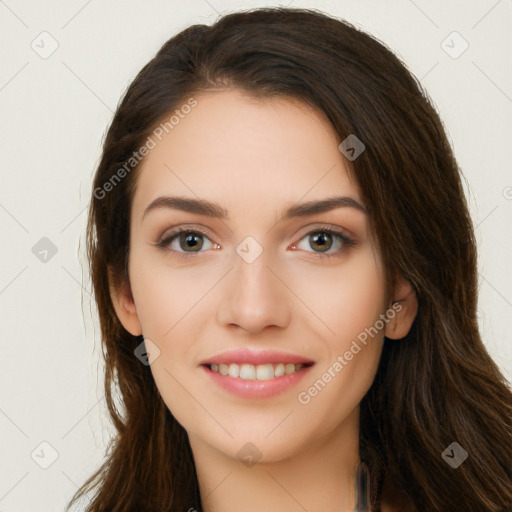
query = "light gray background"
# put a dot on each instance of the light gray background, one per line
(55, 111)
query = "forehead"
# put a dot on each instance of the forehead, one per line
(242, 151)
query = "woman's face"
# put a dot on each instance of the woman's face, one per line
(257, 278)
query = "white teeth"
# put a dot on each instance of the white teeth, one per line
(264, 372)
(247, 371)
(256, 372)
(279, 370)
(289, 368)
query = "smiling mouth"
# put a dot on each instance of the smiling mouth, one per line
(256, 372)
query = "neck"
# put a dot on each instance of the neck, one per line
(318, 476)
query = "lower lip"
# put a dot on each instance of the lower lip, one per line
(257, 388)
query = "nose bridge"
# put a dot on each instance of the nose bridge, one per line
(254, 297)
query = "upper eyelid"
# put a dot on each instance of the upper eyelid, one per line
(173, 231)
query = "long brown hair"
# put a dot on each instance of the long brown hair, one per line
(436, 386)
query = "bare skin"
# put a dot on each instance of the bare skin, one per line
(255, 158)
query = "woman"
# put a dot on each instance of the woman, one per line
(285, 271)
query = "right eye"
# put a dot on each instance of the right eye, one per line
(186, 242)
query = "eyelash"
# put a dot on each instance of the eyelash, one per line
(164, 243)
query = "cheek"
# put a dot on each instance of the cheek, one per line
(172, 315)
(350, 303)
(166, 297)
(347, 298)
(172, 305)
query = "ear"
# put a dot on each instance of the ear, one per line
(124, 305)
(405, 305)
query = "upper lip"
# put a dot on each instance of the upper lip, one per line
(256, 357)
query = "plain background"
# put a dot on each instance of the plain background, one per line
(55, 111)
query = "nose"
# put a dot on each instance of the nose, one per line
(254, 296)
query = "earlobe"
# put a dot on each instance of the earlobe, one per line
(125, 309)
(405, 307)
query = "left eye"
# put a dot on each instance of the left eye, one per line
(325, 240)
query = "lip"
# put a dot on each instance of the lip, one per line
(262, 356)
(256, 389)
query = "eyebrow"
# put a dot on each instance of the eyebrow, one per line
(210, 209)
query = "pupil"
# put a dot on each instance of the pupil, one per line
(321, 238)
(191, 241)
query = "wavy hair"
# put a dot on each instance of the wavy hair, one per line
(436, 386)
